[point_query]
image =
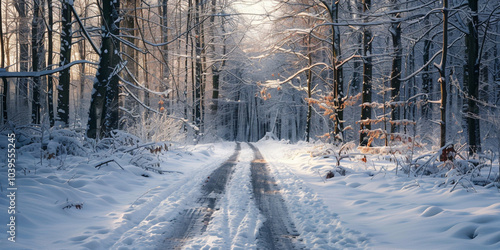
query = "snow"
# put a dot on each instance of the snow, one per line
(392, 212)
(113, 200)
(70, 198)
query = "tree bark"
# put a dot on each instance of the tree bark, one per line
(2, 65)
(103, 115)
(471, 80)
(37, 55)
(198, 86)
(309, 94)
(396, 65)
(65, 58)
(366, 110)
(442, 74)
(50, 52)
(426, 77)
(23, 93)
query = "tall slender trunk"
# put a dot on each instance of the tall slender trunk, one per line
(426, 76)
(186, 76)
(164, 52)
(309, 94)
(50, 53)
(65, 58)
(217, 67)
(338, 87)
(82, 51)
(396, 65)
(442, 74)
(23, 37)
(2, 65)
(129, 28)
(366, 109)
(198, 69)
(37, 55)
(471, 80)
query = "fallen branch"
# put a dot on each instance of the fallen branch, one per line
(98, 166)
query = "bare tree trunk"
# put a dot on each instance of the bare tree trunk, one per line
(396, 65)
(366, 110)
(186, 79)
(217, 67)
(65, 58)
(426, 77)
(164, 31)
(103, 115)
(2, 65)
(442, 74)
(23, 93)
(337, 74)
(309, 93)
(50, 52)
(198, 68)
(130, 53)
(471, 80)
(37, 55)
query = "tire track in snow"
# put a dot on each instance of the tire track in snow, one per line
(236, 220)
(195, 220)
(277, 231)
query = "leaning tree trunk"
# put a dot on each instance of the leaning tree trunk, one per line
(103, 114)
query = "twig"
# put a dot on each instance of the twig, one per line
(71, 178)
(131, 205)
(98, 166)
(321, 176)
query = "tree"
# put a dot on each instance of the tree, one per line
(63, 89)
(441, 67)
(338, 83)
(395, 31)
(50, 53)
(366, 100)
(103, 114)
(37, 55)
(2, 66)
(23, 102)
(471, 79)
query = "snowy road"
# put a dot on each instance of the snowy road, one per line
(248, 201)
(277, 231)
(263, 195)
(195, 220)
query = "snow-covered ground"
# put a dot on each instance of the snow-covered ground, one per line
(66, 203)
(393, 212)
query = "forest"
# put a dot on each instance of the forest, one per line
(377, 73)
(250, 124)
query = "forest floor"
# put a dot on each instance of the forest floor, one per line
(265, 195)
